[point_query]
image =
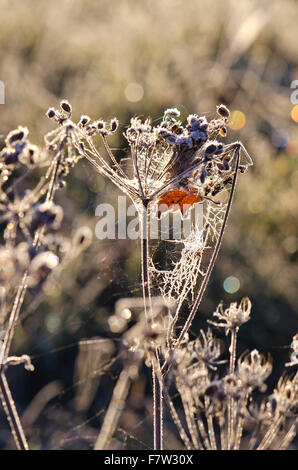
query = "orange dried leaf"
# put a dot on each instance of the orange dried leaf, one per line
(176, 199)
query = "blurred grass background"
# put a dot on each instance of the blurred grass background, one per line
(130, 58)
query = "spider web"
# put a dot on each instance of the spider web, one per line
(181, 265)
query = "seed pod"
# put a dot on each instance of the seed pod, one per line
(84, 120)
(192, 121)
(10, 157)
(82, 238)
(223, 131)
(223, 111)
(99, 125)
(42, 265)
(17, 135)
(172, 112)
(228, 180)
(91, 130)
(47, 213)
(203, 175)
(210, 149)
(203, 124)
(220, 149)
(176, 128)
(113, 125)
(65, 106)
(221, 166)
(30, 156)
(51, 113)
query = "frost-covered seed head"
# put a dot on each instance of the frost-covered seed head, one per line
(294, 354)
(253, 369)
(223, 111)
(65, 106)
(84, 120)
(51, 113)
(17, 135)
(234, 316)
(172, 112)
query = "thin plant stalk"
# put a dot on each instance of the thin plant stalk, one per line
(221, 423)
(239, 428)
(157, 408)
(114, 411)
(12, 414)
(156, 383)
(231, 416)
(288, 437)
(188, 406)
(270, 435)
(6, 396)
(210, 426)
(203, 433)
(145, 222)
(175, 415)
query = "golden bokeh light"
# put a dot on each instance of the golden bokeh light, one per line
(238, 120)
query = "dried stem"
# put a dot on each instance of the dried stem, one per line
(114, 411)
(157, 384)
(12, 414)
(6, 396)
(157, 408)
(231, 416)
(289, 436)
(270, 435)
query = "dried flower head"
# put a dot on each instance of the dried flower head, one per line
(41, 267)
(253, 369)
(169, 156)
(294, 353)
(284, 399)
(232, 317)
(204, 351)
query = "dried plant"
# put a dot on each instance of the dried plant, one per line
(173, 166)
(170, 167)
(32, 248)
(218, 407)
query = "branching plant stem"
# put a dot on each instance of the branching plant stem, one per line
(5, 393)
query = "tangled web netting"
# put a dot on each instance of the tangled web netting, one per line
(182, 266)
